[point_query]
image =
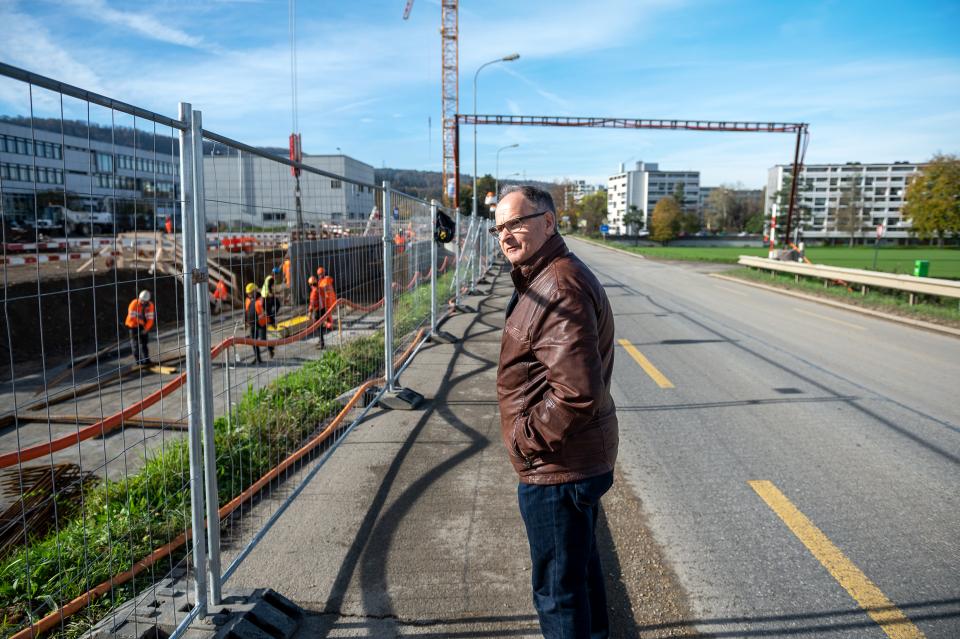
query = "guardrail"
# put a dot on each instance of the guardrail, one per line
(873, 279)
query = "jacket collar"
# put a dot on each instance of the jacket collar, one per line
(523, 274)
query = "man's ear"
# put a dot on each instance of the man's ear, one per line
(551, 220)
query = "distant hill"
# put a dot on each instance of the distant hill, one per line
(429, 184)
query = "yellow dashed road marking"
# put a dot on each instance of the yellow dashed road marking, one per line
(645, 364)
(893, 622)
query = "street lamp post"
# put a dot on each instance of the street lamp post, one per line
(508, 58)
(496, 182)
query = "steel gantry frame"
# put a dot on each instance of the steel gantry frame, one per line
(801, 129)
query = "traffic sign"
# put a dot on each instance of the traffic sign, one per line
(604, 228)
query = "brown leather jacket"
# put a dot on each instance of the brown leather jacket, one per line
(557, 417)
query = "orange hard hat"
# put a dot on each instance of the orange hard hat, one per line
(319, 271)
(311, 280)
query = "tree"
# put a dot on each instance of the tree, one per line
(849, 211)
(754, 224)
(633, 218)
(593, 210)
(679, 195)
(689, 223)
(718, 207)
(801, 212)
(933, 199)
(666, 220)
(485, 184)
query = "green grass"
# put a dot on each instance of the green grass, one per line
(929, 309)
(944, 262)
(123, 521)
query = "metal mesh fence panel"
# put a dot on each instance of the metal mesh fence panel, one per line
(185, 318)
(412, 236)
(94, 480)
(298, 325)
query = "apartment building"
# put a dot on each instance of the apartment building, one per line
(880, 187)
(644, 186)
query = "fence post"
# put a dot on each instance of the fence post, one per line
(202, 291)
(393, 396)
(387, 288)
(192, 362)
(456, 259)
(433, 269)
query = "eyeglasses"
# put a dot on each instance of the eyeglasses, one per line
(514, 224)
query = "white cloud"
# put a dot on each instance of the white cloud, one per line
(28, 44)
(141, 23)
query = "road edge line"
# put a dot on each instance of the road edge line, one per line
(930, 326)
(609, 248)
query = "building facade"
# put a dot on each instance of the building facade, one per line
(260, 192)
(577, 190)
(874, 191)
(644, 186)
(40, 167)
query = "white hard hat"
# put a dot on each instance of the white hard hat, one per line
(144, 296)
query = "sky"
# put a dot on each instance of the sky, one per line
(876, 81)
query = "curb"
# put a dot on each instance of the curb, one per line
(930, 326)
(609, 248)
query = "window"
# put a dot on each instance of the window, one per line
(335, 184)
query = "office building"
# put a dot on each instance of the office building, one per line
(260, 191)
(642, 187)
(92, 169)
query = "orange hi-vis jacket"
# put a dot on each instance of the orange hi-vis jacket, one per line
(221, 293)
(329, 295)
(314, 304)
(262, 317)
(140, 315)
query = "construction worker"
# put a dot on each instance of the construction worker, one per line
(398, 242)
(140, 318)
(328, 295)
(315, 307)
(271, 301)
(168, 225)
(220, 295)
(288, 291)
(255, 315)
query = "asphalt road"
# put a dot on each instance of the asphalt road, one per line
(792, 456)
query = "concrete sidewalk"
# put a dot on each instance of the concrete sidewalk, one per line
(412, 528)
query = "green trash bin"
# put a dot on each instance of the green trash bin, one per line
(921, 268)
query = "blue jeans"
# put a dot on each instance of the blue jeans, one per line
(568, 590)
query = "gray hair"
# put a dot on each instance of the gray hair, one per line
(539, 198)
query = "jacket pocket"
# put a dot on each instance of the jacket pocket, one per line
(585, 443)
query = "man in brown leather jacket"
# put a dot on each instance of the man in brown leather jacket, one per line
(557, 417)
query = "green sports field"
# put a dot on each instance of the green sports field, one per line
(944, 262)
